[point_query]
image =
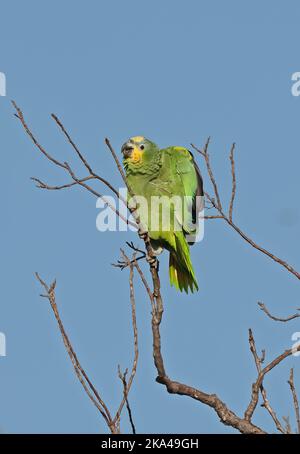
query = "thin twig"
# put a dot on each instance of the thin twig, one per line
(212, 217)
(118, 163)
(122, 264)
(135, 336)
(80, 372)
(66, 166)
(226, 415)
(205, 154)
(256, 386)
(124, 382)
(20, 116)
(295, 398)
(233, 191)
(258, 363)
(40, 184)
(277, 319)
(83, 160)
(228, 217)
(288, 429)
(146, 285)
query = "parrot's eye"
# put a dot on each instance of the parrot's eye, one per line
(142, 147)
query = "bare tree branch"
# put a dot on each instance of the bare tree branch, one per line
(228, 217)
(124, 382)
(277, 319)
(112, 423)
(233, 191)
(122, 264)
(40, 184)
(258, 363)
(80, 372)
(121, 171)
(213, 217)
(295, 398)
(66, 166)
(261, 375)
(288, 429)
(206, 157)
(20, 116)
(148, 290)
(227, 416)
(135, 336)
(82, 159)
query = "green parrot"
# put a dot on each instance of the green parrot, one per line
(168, 189)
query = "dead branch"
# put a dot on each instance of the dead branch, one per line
(122, 377)
(233, 191)
(288, 429)
(205, 155)
(67, 167)
(122, 264)
(227, 416)
(40, 184)
(112, 423)
(295, 399)
(258, 362)
(261, 375)
(217, 204)
(80, 372)
(277, 319)
(135, 336)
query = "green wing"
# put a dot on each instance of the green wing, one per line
(185, 181)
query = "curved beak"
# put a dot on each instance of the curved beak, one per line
(127, 150)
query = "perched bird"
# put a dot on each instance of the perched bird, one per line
(159, 180)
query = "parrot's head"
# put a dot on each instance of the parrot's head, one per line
(137, 149)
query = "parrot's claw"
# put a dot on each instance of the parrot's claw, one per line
(142, 232)
(143, 235)
(153, 262)
(150, 260)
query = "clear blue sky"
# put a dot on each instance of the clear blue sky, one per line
(175, 72)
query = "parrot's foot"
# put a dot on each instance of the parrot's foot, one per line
(142, 233)
(153, 262)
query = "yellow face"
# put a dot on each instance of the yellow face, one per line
(133, 149)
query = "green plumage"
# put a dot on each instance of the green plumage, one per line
(169, 181)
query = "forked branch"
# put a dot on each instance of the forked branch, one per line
(278, 319)
(80, 372)
(216, 202)
(261, 375)
(295, 399)
(113, 423)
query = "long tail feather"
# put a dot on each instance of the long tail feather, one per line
(181, 270)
